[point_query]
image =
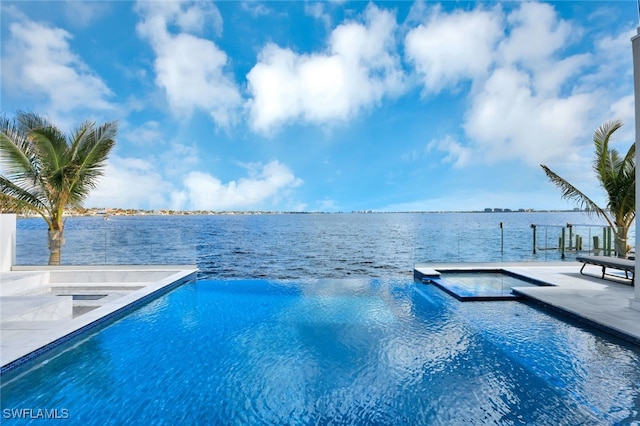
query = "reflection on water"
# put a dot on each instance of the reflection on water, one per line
(336, 352)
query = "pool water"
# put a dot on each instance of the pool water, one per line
(333, 352)
(481, 285)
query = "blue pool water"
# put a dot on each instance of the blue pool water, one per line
(346, 351)
(480, 285)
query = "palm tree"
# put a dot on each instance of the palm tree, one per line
(617, 175)
(46, 171)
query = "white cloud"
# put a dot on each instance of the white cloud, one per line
(317, 10)
(190, 69)
(450, 48)
(358, 70)
(148, 133)
(189, 16)
(180, 158)
(615, 59)
(84, 13)
(531, 107)
(535, 35)
(265, 183)
(535, 42)
(256, 9)
(456, 154)
(624, 109)
(40, 64)
(552, 76)
(507, 120)
(130, 183)
(529, 98)
(328, 205)
(174, 156)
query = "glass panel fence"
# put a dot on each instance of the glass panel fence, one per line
(108, 246)
(272, 246)
(539, 243)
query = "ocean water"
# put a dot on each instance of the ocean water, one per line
(291, 246)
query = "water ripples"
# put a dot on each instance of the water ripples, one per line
(347, 351)
(293, 246)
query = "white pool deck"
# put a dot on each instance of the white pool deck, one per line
(38, 307)
(598, 302)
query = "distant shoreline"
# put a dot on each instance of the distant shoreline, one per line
(135, 212)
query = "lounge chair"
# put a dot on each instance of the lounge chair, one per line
(626, 265)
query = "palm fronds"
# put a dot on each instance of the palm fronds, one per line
(616, 175)
(570, 192)
(46, 170)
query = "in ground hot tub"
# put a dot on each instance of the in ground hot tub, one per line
(470, 285)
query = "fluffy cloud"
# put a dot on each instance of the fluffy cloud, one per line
(130, 183)
(624, 109)
(450, 48)
(265, 183)
(524, 109)
(528, 98)
(82, 14)
(190, 69)
(148, 133)
(358, 70)
(39, 63)
(456, 154)
(535, 35)
(507, 120)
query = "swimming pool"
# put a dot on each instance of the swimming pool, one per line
(333, 351)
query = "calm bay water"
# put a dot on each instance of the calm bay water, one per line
(290, 246)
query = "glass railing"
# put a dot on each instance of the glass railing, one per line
(539, 243)
(233, 246)
(108, 246)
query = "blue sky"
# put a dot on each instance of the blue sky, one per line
(329, 106)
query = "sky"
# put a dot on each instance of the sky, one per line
(329, 106)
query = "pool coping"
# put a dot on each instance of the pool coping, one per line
(597, 303)
(49, 335)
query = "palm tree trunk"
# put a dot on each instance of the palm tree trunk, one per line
(621, 241)
(56, 240)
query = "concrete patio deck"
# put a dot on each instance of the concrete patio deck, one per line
(42, 307)
(603, 304)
